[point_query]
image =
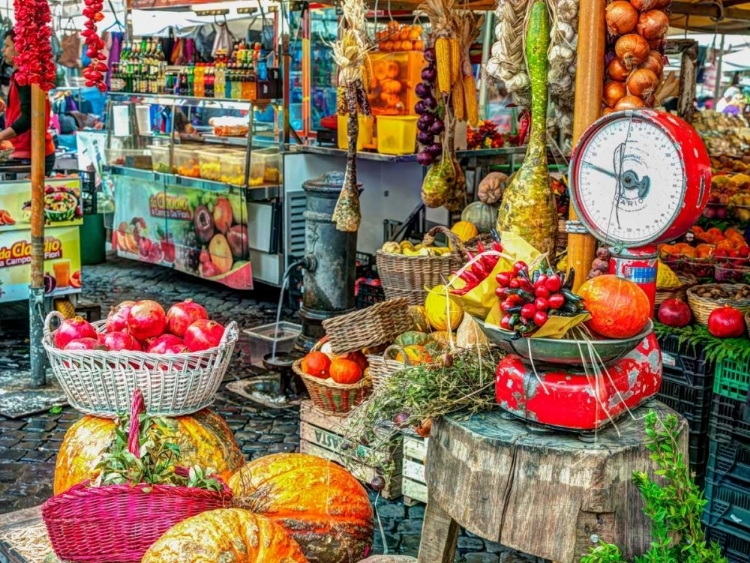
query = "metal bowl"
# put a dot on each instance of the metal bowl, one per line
(562, 351)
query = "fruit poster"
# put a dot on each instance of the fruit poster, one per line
(200, 232)
(62, 204)
(62, 263)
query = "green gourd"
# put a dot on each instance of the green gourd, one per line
(528, 206)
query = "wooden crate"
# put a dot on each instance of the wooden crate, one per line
(322, 435)
(414, 486)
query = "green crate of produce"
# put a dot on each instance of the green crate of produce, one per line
(732, 379)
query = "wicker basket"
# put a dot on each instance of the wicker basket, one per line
(102, 383)
(417, 274)
(680, 292)
(366, 328)
(334, 398)
(120, 522)
(381, 368)
(702, 307)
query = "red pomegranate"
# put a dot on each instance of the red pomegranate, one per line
(177, 349)
(203, 335)
(147, 320)
(726, 322)
(117, 341)
(181, 315)
(117, 320)
(73, 329)
(161, 344)
(675, 312)
(84, 344)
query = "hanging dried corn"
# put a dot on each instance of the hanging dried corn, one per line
(469, 28)
(507, 62)
(350, 54)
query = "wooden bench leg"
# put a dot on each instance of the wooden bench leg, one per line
(439, 536)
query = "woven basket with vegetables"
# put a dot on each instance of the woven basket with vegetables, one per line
(703, 299)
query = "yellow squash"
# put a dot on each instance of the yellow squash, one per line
(442, 312)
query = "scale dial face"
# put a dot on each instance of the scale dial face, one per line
(629, 178)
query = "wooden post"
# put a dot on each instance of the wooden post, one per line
(36, 291)
(589, 84)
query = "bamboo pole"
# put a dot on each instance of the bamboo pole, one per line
(589, 84)
(36, 291)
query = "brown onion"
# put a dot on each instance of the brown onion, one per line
(655, 63)
(607, 111)
(630, 102)
(661, 4)
(632, 50)
(643, 5)
(642, 83)
(613, 92)
(617, 71)
(653, 24)
(621, 17)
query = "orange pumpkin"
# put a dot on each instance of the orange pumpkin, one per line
(204, 439)
(226, 534)
(618, 307)
(316, 364)
(345, 372)
(321, 505)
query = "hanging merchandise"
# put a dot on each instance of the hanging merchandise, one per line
(34, 62)
(178, 52)
(562, 61)
(167, 44)
(205, 37)
(96, 72)
(71, 46)
(223, 42)
(507, 61)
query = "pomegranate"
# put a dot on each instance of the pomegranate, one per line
(203, 335)
(147, 320)
(181, 315)
(84, 344)
(117, 341)
(117, 320)
(675, 312)
(177, 349)
(161, 344)
(73, 329)
(726, 322)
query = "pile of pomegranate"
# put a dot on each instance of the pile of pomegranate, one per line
(143, 326)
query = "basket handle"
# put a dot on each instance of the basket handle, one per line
(230, 333)
(136, 410)
(456, 243)
(48, 320)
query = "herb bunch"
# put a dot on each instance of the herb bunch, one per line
(716, 349)
(674, 507)
(157, 462)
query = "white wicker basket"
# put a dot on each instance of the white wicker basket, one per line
(102, 383)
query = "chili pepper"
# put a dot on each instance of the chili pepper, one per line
(535, 277)
(515, 283)
(569, 308)
(478, 269)
(470, 277)
(526, 285)
(556, 301)
(515, 318)
(520, 265)
(462, 291)
(501, 292)
(570, 296)
(570, 279)
(508, 308)
(503, 279)
(522, 294)
(497, 246)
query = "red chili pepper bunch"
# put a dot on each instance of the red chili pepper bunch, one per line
(479, 270)
(35, 63)
(97, 70)
(528, 301)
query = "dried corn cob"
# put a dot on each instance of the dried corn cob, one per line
(443, 56)
(455, 59)
(470, 99)
(341, 100)
(457, 100)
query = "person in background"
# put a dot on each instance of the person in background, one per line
(729, 94)
(18, 116)
(736, 106)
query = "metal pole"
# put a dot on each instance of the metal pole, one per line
(719, 62)
(487, 41)
(36, 291)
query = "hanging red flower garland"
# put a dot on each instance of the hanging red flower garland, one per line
(96, 73)
(35, 64)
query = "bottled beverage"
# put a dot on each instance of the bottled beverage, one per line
(200, 78)
(210, 83)
(116, 81)
(191, 80)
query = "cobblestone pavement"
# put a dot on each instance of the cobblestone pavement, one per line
(28, 446)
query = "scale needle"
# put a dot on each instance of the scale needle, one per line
(602, 170)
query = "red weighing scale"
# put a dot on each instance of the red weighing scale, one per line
(637, 178)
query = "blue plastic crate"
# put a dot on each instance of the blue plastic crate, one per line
(687, 363)
(735, 544)
(728, 504)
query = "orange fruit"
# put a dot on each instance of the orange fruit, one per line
(316, 364)
(345, 372)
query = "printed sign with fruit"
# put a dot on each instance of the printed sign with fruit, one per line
(62, 204)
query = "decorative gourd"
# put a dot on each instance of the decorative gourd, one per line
(618, 307)
(413, 337)
(464, 230)
(443, 337)
(226, 534)
(419, 314)
(442, 312)
(414, 355)
(491, 188)
(481, 215)
(320, 504)
(469, 334)
(204, 439)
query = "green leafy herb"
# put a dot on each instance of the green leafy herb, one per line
(56, 410)
(716, 349)
(675, 506)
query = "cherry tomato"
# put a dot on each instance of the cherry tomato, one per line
(506, 305)
(542, 291)
(505, 323)
(541, 304)
(501, 292)
(503, 279)
(556, 300)
(528, 311)
(520, 265)
(515, 283)
(540, 318)
(553, 283)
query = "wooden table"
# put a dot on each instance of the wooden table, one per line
(548, 494)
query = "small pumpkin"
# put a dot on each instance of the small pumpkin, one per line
(465, 230)
(414, 355)
(482, 215)
(442, 312)
(226, 534)
(413, 337)
(391, 86)
(345, 372)
(392, 68)
(442, 337)
(319, 503)
(619, 308)
(419, 314)
(491, 188)
(469, 334)
(204, 439)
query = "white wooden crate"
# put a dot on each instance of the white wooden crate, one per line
(414, 485)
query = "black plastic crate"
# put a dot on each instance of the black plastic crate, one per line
(726, 424)
(366, 266)
(730, 462)
(368, 295)
(735, 545)
(728, 504)
(698, 453)
(691, 402)
(687, 363)
(88, 192)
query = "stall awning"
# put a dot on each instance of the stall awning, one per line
(729, 17)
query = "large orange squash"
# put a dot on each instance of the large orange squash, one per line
(226, 534)
(618, 307)
(320, 504)
(204, 439)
